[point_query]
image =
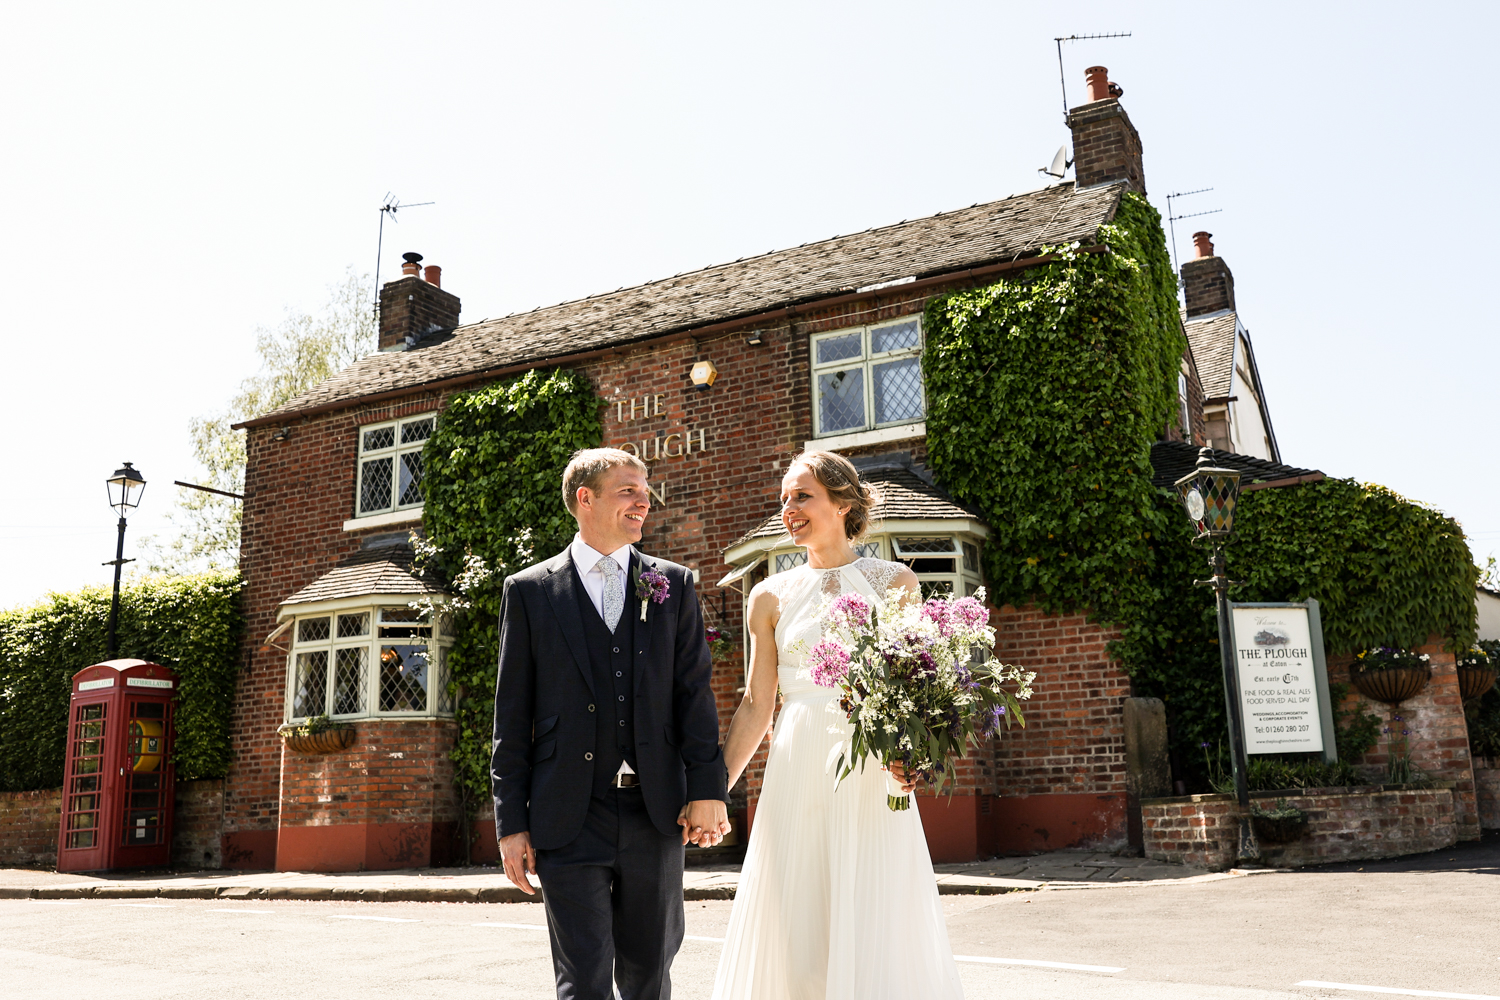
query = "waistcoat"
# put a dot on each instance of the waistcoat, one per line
(611, 658)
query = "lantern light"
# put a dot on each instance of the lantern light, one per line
(1208, 494)
(125, 488)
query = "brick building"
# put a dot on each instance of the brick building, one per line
(817, 346)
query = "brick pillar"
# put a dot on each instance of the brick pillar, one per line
(1207, 282)
(1106, 147)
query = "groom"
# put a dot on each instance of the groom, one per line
(606, 754)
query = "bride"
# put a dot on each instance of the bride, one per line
(837, 899)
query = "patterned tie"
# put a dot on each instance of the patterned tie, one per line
(614, 591)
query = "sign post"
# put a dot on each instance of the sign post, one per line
(1282, 679)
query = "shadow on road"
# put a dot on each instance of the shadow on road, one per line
(1482, 857)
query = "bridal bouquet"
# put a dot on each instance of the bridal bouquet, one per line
(919, 682)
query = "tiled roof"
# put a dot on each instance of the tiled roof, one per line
(369, 572)
(1171, 460)
(904, 494)
(1212, 342)
(949, 241)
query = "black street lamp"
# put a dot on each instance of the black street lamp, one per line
(1209, 495)
(125, 488)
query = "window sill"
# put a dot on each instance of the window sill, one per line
(383, 520)
(861, 439)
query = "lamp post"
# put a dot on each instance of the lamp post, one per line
(125, 488)
(1209, 495)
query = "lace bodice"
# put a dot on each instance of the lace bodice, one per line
(799, 592)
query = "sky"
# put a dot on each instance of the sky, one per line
(179, 176)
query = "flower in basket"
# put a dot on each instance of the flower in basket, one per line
(917, 681)
(1388, 658)
(651, 586)
(1474, 657)
(720, 640)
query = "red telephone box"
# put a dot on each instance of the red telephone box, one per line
(118, 784)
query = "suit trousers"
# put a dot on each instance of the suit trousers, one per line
(614, 903)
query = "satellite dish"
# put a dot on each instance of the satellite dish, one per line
(1060, 164)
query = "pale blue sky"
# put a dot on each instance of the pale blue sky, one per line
(176, 176)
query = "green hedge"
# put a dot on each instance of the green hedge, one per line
(189, 623)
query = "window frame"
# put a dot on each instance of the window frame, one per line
(1184, 413)
(966, 577)
(439, 643)
(394, 452)
(866, 362)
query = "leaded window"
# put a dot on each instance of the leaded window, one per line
(943, 563)
(390, 465)
(868, 377)
(377, 661)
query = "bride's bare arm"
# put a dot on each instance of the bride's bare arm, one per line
(753, 717)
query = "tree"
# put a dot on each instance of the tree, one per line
(295, 356)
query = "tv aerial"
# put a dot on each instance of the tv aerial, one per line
(1172, 218)
(390, 206)
(1061, 75)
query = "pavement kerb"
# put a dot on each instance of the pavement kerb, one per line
(947, 885)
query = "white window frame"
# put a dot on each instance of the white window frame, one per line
(1182, 404)
(439, 702)
(964, 550)
(394, 452)
(866, 362)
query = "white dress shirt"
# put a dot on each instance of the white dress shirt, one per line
(586, 559)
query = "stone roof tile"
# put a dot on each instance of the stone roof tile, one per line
(369, 572)
(1212, 343)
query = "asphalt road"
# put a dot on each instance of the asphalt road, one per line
(1424, 925)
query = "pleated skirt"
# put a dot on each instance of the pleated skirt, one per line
(837, 899)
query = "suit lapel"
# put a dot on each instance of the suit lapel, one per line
(564, 595)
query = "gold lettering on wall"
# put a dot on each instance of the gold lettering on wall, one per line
(630, 409)
(677, 444)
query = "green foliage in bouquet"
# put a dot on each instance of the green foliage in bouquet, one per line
(492, 503)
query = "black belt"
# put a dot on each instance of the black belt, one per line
(626, 781)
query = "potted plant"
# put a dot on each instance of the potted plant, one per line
(1282, 824)
(1476, 673)
(1390, 674)
(318, 735)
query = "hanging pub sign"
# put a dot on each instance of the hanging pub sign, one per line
(1282, 678)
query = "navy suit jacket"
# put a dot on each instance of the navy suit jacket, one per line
(542, 768)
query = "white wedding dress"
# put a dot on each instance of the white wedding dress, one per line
(837, 899)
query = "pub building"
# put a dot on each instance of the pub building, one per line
(716, 378)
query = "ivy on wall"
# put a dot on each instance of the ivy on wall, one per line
(493, 506)
(189, 623)
(1046, 391)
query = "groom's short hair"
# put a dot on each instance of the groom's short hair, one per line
(588, 466)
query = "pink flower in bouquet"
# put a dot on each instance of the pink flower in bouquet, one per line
(849, 611)
(970, 612)
(938, 611)
(830, 663)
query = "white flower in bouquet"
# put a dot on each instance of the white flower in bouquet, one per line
(919, 681)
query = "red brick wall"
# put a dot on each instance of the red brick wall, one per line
(1355, 825)
(1106, 146)
(1438, 734)
(28, 828)
(410, 306)
(1207, 285)
(198, 824)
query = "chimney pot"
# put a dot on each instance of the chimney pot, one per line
(1099, 86)
(1203, 241)
(411, 268)
(434, 275)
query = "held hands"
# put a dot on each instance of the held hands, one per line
(704, 822)
(519, 858)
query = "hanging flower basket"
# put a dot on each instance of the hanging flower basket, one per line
(1476, 674)
(1390, 675)
(318, 736)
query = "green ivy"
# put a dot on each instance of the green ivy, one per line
(1046, 392)
(189, 623)
(493, 506)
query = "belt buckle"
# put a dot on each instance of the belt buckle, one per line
(626, 781)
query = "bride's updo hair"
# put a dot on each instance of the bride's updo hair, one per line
(838, 476)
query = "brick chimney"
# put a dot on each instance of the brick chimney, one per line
(413, 306)
(1207, 282)
(1106, 147)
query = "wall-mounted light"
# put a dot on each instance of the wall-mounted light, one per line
(282, 433)
(703, 374)
(756, 338)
